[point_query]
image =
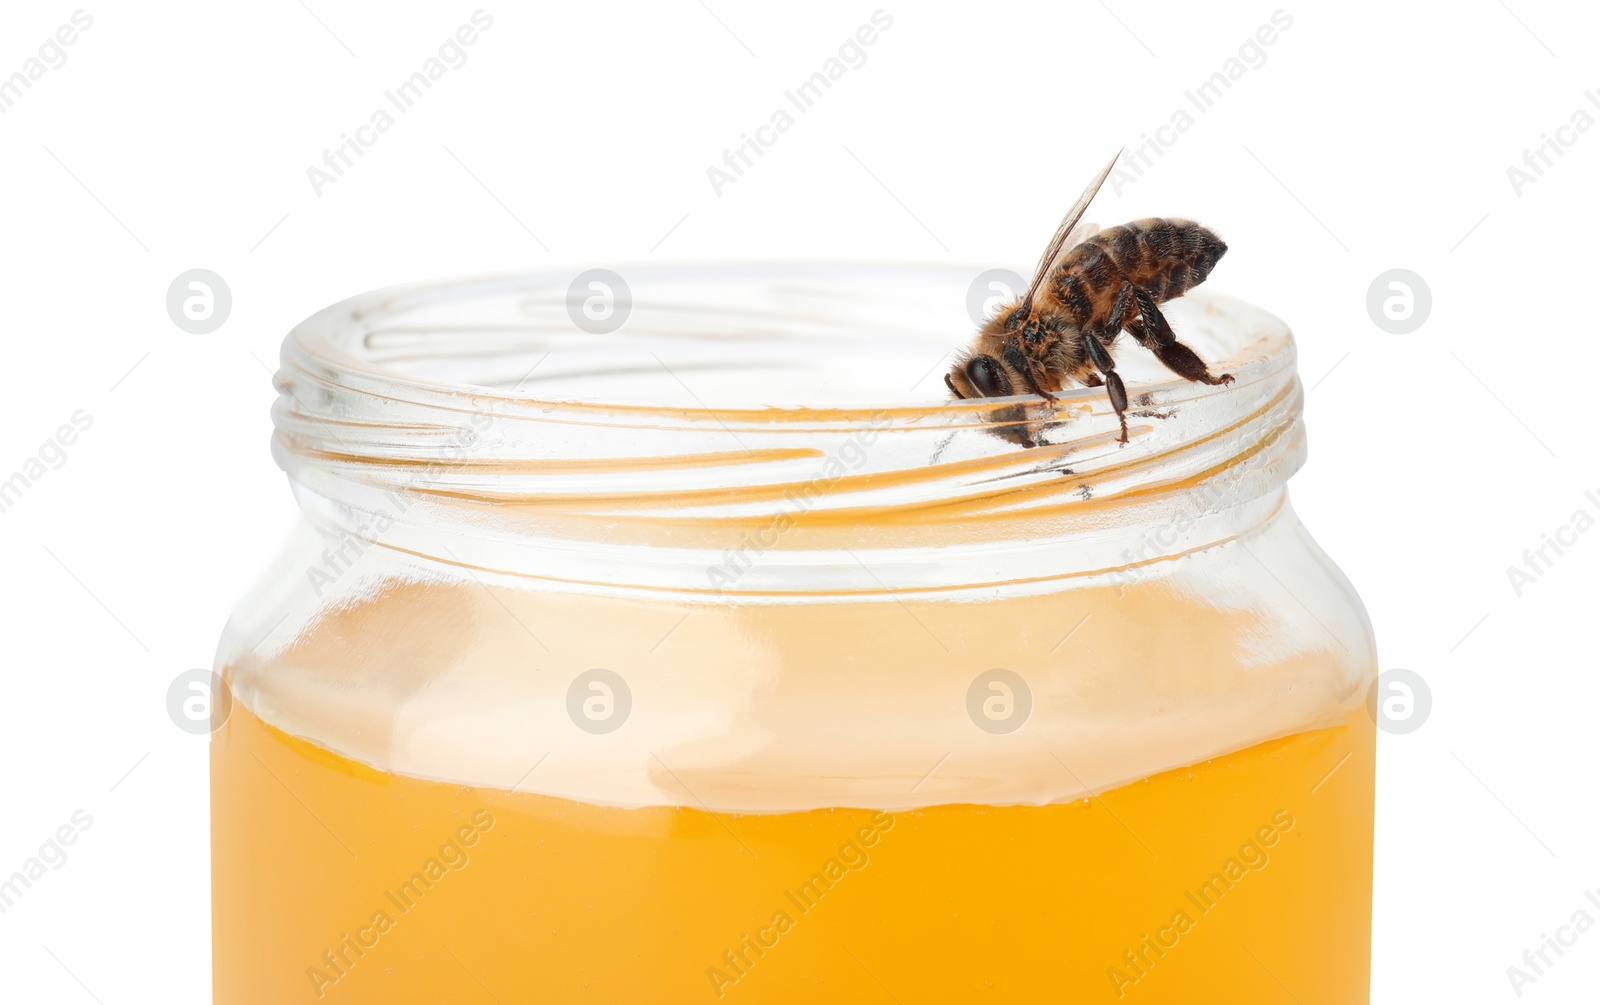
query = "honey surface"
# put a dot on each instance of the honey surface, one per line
(1243, 879)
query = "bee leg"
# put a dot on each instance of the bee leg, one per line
(1101, 358)
(1020, 362)
(1119, 313)
(1159, 338)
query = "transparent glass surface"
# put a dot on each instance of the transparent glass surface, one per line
(719, 654)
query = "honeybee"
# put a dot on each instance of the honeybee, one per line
(1083, 296)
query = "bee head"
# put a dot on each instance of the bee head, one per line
(982, 376)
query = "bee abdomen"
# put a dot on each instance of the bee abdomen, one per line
(1167, 257)
(1180, 255)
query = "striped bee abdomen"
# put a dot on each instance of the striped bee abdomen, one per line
(1165, 257)
(1169, 257)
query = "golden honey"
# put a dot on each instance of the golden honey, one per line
(1236, 880)
(614, 678)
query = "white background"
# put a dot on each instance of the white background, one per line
(1375, 136)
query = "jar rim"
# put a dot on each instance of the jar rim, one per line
(348, 335)
(374, 404)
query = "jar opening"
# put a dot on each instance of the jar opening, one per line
(648, 426)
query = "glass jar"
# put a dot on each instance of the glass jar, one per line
(672, 638)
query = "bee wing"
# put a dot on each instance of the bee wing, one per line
(1082, 232)
(1067, 231)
